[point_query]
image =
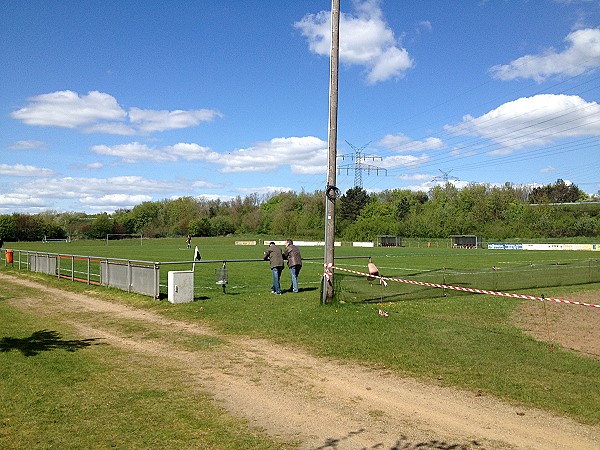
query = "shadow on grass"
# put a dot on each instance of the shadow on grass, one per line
(42, 341)
(384, 296)
(300, 290)
(307, 289)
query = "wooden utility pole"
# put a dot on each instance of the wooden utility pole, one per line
(331, 190)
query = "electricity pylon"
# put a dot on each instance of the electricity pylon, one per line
(359, 164)
(445, 176)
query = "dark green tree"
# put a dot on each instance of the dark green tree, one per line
(145, 218)
(559, 192)
(352, 203)
(199, 227)
(8, 228)
(100, 227)
(221, 226)
(28, 227)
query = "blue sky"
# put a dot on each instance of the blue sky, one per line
(107, 104)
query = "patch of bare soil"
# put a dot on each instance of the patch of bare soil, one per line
(320, 403)
(573, 327)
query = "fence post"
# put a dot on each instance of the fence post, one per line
(444, 278)
(128, 276)
(155, 271)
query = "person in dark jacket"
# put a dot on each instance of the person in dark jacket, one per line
(294, 262)
(275, 258)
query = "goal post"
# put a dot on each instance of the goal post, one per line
(47, 240)
(121, 236)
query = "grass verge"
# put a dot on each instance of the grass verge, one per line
(61, 391)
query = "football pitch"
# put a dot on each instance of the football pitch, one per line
(531, 272)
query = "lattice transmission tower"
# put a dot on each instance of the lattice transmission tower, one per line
(359, 165)
(445, 176)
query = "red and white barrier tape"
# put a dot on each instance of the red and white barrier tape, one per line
(458, 288)
(328, 271)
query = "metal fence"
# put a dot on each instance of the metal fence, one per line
(502, 277)
(137, 276)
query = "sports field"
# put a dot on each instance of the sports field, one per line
(497, 270)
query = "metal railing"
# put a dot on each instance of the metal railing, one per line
(132, 275)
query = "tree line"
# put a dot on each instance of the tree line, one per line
(553, 211)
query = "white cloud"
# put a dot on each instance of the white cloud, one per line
(430, 143)
(424, 25)
(428, 185)
(403, 144)
(415, 176)
(12, 200)
(463, 152)
(303, 154)
(206, 185)
(533, 121)
(132, 152)
(136, 152)
(21, 170)
(393, 140)
(548, 169)
(69, 110)
(114, 201)
(76, 187)
(410, 161)
(210, 197)
(98, 112)
(192, 152)
(94, 166)
(391, 63)
(28, 145)
(149, 121)
(119, 129)
(263, 190)
(365, 40)
(582, 54)
(106, 194)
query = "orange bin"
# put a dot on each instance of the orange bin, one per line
(9, 256)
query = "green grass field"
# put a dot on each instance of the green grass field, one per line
(448, 337)
(481, 269)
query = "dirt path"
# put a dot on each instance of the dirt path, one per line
(323, 404)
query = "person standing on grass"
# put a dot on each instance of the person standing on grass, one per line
(294, 262)
(188, 241)
(275, 258)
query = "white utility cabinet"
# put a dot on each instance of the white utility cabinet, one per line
(181, 286)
